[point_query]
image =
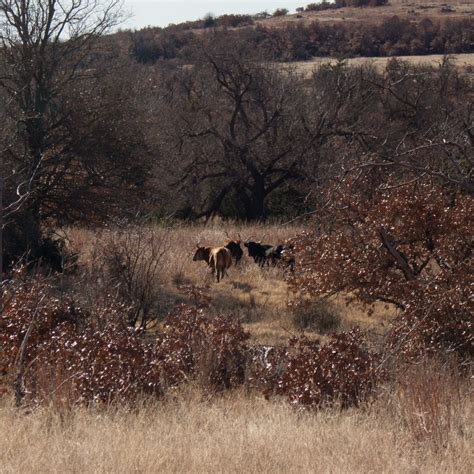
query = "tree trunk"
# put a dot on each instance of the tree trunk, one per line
(1, 232)
(254, 203)
(23, 237)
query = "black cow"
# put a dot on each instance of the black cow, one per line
(235, 249)
(274, 254)
(281, 255)
(258, 251)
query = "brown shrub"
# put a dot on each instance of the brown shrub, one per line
(65, 352)
(213, 351)
(410, 246)
(132, 261)
(342, 371)
(443, 329)
(67, 358)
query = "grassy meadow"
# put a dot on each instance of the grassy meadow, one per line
(257, 296)
(129, 361)
(463, 62)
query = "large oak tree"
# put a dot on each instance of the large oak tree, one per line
(236, 128)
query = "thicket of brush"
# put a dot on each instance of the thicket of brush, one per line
(68, 342)
(132, 317)
(53, 351)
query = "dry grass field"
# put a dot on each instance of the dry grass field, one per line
(418, 419)
(464, 62)
(237, 433)
(421, 422)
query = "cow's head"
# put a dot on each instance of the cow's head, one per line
(202, 253)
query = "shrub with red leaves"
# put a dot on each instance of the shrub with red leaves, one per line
(342, 371)
(65, 352)
(212, 350)
(441, 323)
(410, 246)
(265, 367)
(70, 358)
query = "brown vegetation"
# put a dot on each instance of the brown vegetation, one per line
(368, 175)
(303, 41)
(187, 433)
(227, 134)
(209, 354)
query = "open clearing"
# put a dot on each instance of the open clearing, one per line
(464, 62)
(257, 296)
(194, 431)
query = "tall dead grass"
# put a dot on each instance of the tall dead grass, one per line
(234, 433)
(422, 423)
(429, 399)
(182, 240)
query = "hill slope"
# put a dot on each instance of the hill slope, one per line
(414, 10)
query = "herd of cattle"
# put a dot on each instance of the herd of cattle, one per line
(220, 259)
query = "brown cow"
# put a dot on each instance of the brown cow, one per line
(218, 258)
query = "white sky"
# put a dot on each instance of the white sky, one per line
(164, 12)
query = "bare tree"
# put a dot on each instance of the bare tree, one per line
(238, 130)
(428, 124)
(66, 160)
(133, 259)
(44, 48)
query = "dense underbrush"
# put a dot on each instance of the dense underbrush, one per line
(55, 352)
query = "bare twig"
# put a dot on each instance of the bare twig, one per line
(19, 385)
